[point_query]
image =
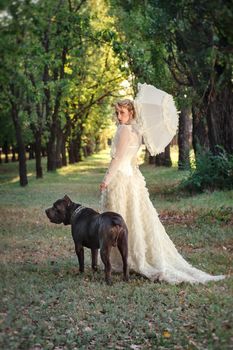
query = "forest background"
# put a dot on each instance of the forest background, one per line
(64, 63)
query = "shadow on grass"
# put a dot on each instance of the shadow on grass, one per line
(60, 270)
(95, 164)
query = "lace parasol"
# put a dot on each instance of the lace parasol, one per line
(157, 116)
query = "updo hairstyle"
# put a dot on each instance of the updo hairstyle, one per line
(126, 104)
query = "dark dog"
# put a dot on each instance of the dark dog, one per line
(93, 230)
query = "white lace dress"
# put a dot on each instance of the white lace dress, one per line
(151, 251)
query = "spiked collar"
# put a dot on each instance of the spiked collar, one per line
(77, 211)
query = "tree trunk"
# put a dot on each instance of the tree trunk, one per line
(168, 161)
(39, 170)
(164, 159)
(148, 158)
(21, 147)
(77, 150)
(220, 119)
(200, 132)
(14, 152)
(37, 129)
(151, 159)
(43, 151)
(59, 147)
(51, 147)
(159, 159)
(51, 154)
(94, 148)
(183, 139)
(77, 144)
(54, 145)
(66, 136)
(71, 152)
(31, 151)
(63, 151)
(6, 151)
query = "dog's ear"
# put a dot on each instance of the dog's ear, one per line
(68, 200)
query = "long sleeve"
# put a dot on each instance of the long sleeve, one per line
(121, 144)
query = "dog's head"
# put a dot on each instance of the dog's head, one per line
(60, 212)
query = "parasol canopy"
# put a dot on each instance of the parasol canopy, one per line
(157, 116)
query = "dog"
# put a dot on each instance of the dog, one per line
(93, 230)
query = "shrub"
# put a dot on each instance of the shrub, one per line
(210, 171)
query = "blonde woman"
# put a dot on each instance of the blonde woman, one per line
(151, 251)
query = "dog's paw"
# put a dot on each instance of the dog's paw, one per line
(126, 278)
(109, 282)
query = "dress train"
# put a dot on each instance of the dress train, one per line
(151, 251)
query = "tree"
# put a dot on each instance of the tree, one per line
(12, 81)
(193, 39)
(183, 139)
(66, 74)
(200, 57)
(142, 54)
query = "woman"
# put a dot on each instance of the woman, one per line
(151, 252)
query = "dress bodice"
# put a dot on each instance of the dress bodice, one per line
(125, 146)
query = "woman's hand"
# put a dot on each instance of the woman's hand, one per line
(103, 186)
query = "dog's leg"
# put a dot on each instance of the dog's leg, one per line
(94, 257)
(80, 254)
(122, 245)
(105, 256)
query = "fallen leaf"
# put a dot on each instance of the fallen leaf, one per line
(135, 347)
(166, 334)
(87, 329)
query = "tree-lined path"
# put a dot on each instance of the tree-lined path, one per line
(63, 63)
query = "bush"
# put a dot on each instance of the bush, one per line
(210, 172)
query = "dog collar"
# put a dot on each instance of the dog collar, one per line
(77, 211)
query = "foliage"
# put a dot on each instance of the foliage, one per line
(199, 45)
(185, 48)
(142, 54)
(198, 38)
(210, 172)
(59, 57)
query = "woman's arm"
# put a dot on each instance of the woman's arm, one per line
(122, 141)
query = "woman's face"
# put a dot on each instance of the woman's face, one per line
(123, 115)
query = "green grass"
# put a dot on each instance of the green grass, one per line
(47, 304)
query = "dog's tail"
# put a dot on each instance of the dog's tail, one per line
(116, 226)
(117, 219)
(116, 231)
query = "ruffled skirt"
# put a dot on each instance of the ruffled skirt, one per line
(151, 251)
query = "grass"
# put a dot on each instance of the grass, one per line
(47, 304)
